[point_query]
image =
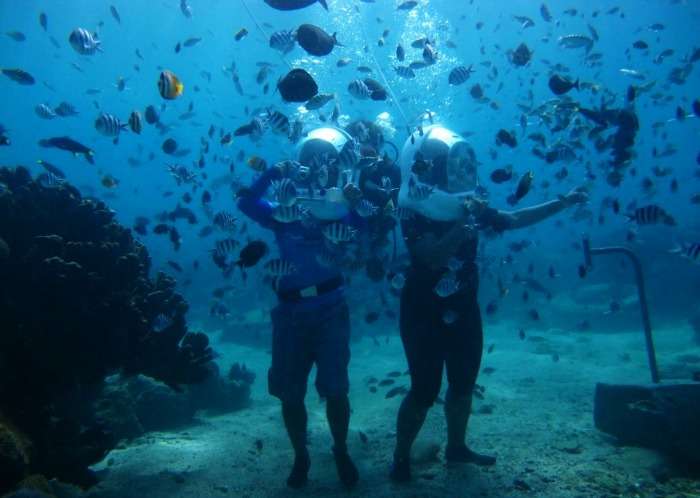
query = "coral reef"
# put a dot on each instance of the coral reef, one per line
(76, 305)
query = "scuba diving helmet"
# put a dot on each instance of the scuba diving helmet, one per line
(438, 172)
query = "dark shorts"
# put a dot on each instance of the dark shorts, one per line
(302, 338)
(431, 344)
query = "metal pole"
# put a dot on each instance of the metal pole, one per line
(641, 290)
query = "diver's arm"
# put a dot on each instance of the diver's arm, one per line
(253, 205)
(525, 217)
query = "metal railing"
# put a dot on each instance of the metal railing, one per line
(588, 252)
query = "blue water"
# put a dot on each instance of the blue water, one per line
(154, 28)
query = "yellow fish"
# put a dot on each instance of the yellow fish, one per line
(169, 85)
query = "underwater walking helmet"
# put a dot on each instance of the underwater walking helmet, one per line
(452, 174)
(324, 146)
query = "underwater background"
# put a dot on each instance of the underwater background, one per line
(552, 329)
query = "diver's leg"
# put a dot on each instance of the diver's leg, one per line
(408, 424)
(338, 413)
(332, 354)
(425, 362)
(295, 421)
(287, 378)
(464, 354)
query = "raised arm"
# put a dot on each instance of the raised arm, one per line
(521, 218)
(253, 205)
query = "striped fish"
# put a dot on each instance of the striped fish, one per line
(359, 90)
(283, 40)
(84, 42)
(279, 268)
(109, 125)
(460, 74)
(405, 72)
(44, 111)
(318, 101)
(226, 246)
(690, 251)
(277, 122)
(135, 122)
(223, 255)
(651, 215)
(288, 214)
(338, 232)
(285, 192)
(225, 221)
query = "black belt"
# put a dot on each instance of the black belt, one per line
(293, 295)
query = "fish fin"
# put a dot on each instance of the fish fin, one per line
(335, 40)
(323, 4)
(677, 248)
(115, 141)
(576, 85)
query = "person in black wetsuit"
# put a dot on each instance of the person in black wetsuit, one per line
(440, 332)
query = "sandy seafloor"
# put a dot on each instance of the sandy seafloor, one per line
(536, 417)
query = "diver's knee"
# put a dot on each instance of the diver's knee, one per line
(421, 401)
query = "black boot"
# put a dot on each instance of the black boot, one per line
(295, 420)
(457, 411)
(408, 424)
(338, 414)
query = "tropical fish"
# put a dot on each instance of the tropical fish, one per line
(459, 75)
(169, 86)
(283, 41)
(109, 125)
(314, 40)
(70, 145)
(84, 42)
(297, 86)
(19, 76)
(651, 214)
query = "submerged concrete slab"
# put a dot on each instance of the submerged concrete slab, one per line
(665, 417)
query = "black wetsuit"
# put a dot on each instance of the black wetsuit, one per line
(439, 331)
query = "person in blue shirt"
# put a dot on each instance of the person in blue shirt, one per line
(311, 323)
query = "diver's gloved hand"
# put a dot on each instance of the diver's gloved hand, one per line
(577, 195)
